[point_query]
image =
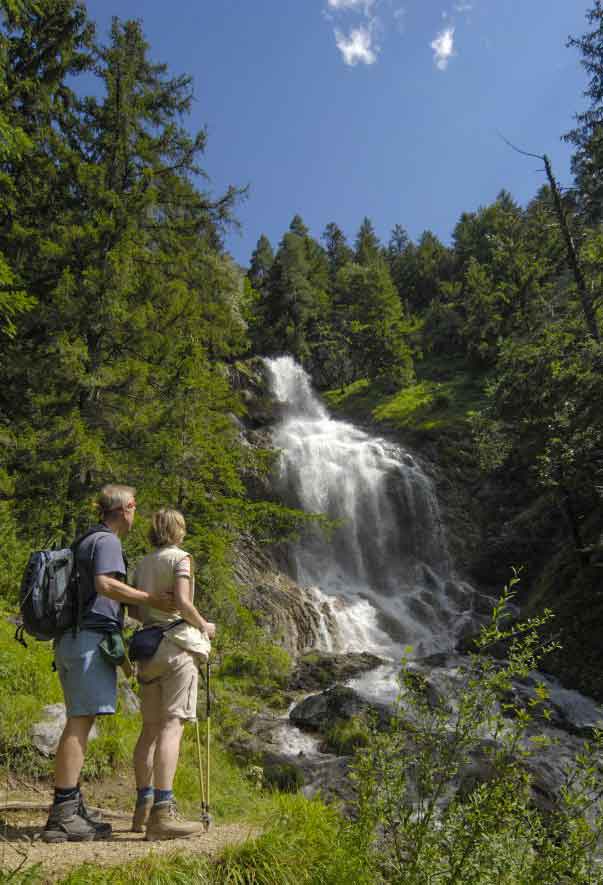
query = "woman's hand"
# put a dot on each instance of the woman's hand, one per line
(210, 629)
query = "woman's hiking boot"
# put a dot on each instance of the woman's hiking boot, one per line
(141, 814)
(166, 823)
(66, 824)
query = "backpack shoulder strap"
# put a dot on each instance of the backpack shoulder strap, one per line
(78, 603)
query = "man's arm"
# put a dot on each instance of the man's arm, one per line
(107, 585)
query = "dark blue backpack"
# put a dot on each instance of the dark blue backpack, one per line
(50, 600)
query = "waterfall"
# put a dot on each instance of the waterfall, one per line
(385, 572)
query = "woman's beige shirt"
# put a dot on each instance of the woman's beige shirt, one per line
(157, 572)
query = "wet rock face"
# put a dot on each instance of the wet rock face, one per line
(292, 759)
(249, 378)
(322, 712)
(289, 613)
(318, 670)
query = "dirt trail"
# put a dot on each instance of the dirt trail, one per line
(20, 830)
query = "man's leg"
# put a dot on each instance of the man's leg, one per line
(71, 752)
(89, 686)
(67, 821)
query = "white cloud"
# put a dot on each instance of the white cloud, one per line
(443, 48)
(463, 6)
(399, 18)
(357, 47)
(355, 5)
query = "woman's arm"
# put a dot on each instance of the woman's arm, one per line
(182, 598)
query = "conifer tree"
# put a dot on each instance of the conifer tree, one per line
(337, 249)
(366, 247)
(262, 259)
(370, 315)
(587, 135)
(140, 310)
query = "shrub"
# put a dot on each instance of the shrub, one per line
(284, 777)
(427, 829)
(344, 738)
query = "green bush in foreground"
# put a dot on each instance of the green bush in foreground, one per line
(436, 822)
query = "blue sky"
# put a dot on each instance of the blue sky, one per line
(337, 109)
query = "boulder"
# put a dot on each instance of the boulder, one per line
(128, 699)
(46, 734)
(318, 670)
(320, 712)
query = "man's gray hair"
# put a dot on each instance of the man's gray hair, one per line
(114, 497)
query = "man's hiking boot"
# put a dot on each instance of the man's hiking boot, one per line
(103, 829)
(166, 823)
(141, 814)
(66, 824)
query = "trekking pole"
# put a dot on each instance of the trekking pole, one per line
(201, 779)
(208, 711)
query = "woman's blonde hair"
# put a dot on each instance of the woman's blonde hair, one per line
(167, 527)
(113, 497)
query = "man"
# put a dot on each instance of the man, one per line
(88, 679)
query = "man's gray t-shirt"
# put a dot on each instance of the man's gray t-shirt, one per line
(100, 553)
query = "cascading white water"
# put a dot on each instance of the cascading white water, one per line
(386, 571)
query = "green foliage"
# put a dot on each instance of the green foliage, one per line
(285, 777)
(345, 737)
(267, 663)
(305, 843)
(587, 136)
(444, 397)
(435, 821)
(155, 869)
(294, 297)
(29, 684)
(371, 319)
(366, 247)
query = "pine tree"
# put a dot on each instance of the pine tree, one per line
(262, 259)
(140, 309)
(337, 249)
(366, 247)
(587, 135)
(370, 315)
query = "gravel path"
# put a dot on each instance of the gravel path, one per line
(19, 832)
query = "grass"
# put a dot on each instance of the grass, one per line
(29, 684)
(304, 843)
(446, 390)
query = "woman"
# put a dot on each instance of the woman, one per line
(168, 681)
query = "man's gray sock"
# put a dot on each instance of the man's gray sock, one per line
(65, 794)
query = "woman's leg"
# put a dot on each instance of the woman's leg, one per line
(144, 754)
(167, 750)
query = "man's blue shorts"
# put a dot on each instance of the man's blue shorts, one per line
(89, 681)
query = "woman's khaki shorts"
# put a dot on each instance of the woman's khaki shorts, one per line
(168, 684)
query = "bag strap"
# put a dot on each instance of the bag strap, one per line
(78, 608)
(174, 624)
